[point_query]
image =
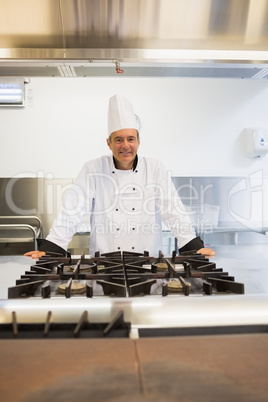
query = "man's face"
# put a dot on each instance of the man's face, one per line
(124, 146)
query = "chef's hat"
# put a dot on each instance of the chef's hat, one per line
(120, 114)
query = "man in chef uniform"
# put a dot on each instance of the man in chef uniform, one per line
(128, 198)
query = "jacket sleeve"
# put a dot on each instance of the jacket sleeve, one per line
(49, 247)
(76, 206)
(193, 245)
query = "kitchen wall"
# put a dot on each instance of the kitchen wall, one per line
(195, 126)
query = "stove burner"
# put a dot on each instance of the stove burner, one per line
(124, 275)
(83, 267)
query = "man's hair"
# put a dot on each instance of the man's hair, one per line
(110, 136)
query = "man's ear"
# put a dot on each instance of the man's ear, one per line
(108, 143)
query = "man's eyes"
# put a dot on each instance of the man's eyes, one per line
(118, 140)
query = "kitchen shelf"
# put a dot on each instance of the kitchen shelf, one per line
(20, 229)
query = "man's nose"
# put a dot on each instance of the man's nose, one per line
(125, 143)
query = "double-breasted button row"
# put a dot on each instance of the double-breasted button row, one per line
(113, 172)
(133, 209)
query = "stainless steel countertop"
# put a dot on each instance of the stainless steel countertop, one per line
(248, 263)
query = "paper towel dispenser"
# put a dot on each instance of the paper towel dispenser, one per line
(256, 142)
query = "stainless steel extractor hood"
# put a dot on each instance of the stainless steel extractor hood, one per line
(181, 38)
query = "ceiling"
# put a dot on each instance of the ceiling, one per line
(178, 38)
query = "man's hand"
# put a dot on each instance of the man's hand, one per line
(35, 254)
(207, 251)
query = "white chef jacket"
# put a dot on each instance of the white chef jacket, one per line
(127, 208)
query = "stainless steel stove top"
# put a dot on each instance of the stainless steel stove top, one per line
(248, 264)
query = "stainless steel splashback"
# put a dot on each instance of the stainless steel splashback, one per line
(33, 196)
(240, 205)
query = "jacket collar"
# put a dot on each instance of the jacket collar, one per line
(134, 164)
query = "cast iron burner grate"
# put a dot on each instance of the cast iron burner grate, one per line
(125, 274)
(116, 328)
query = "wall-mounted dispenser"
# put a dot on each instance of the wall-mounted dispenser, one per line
(256, 142)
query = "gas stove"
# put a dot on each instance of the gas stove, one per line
(114, 287)
(125, 274)
(127, 296)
